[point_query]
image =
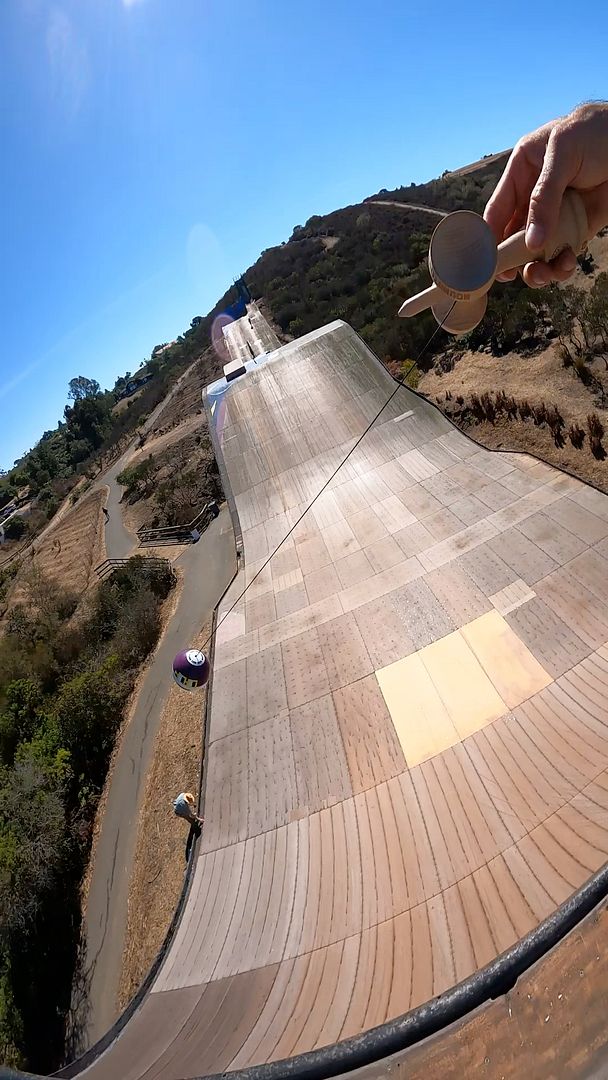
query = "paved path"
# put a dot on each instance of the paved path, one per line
(120, 541)
(208, 567)
(408, 206)
(408, 744)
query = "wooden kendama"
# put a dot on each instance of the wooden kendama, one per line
(464, 261)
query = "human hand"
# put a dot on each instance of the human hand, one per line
(568, 152)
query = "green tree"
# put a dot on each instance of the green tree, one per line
(19, 717)
(88, 709)
(81, 387)
(7, 494)
(15, 528)
(138, 479)
(88, 420)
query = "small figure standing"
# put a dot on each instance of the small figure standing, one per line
(184, 805)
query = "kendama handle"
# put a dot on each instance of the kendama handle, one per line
(421, 301)
(571, 231)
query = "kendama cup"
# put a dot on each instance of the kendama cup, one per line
(464, 261)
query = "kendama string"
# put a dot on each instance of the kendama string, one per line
(399, 386)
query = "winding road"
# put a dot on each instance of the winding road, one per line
(207, 566)
(408, 206)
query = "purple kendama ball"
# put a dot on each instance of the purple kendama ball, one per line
(191, 669)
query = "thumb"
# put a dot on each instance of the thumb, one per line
(548, 192)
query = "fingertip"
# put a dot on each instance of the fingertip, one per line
(495, 220)
(535, 236)
(536, 275)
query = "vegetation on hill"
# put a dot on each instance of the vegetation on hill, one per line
(458, 190)
(172, 483)
(66, 671)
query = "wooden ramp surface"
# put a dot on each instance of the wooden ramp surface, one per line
(408, 747)
(250, 336)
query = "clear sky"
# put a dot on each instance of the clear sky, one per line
(150, 149)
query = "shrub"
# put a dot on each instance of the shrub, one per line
(582, 371)
(524, 409)
(138, 479)
(411, 379)
(489, 410)
(595, 426)
(88, 709)
(477, 407)
(138, 628)
(576, 436)
(596, 447)
(555, 422)
(500, 401)
(15, 528)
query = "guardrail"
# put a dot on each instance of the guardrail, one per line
(15, 554)
(108, 566)
(180, 534)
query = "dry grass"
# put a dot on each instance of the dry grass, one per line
(481, 164)
(159, 864)
(157, 443)
(173, 454)
(122, 405)
(537, 379)
(167, 612)
(187, 398)
(69, 553)
(515, 435)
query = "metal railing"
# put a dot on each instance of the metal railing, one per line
(108, 566)
(180, 534)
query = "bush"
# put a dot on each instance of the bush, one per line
(597, 448)
(595, 426)
(15, 528)
(138, 628)
(88, 710)
(477, 407)
(488, 407)
(138, 479)
(582, 371)
(576, 436)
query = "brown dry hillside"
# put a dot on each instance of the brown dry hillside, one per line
(69, 553)
(538, 377)
(187, 400)
(490, 161)
(182, 477)
(158, 871)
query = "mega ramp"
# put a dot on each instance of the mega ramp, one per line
(408, 743)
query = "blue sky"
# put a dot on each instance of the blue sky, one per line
(152, 148)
